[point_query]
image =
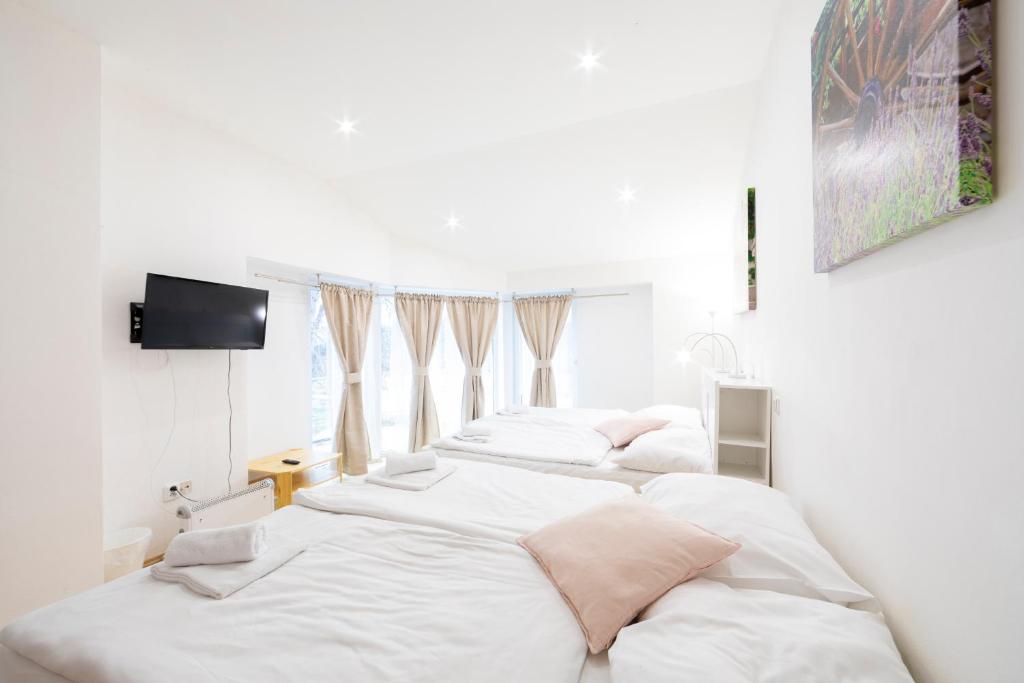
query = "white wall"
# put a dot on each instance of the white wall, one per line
(901, 383)
(682, 291)
(50, 494)
(183, 199)
(615, 347)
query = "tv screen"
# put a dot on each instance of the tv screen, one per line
(192, 314)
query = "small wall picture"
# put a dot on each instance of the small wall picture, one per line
(902, 120)
(751, 251)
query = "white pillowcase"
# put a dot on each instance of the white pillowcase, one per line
(779, 551)
(672, 449)
(707, 631)
(679, 416)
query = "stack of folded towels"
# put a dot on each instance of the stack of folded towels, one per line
(219, 562)
(474, 434)
(513, 410)
(410, 471)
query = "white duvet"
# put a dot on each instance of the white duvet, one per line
(706, 631)
(535, 437)
(368, 600)
(478, 499)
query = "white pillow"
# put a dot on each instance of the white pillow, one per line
(673, 449)
(707, 631)
(779, 551)
(680, 416)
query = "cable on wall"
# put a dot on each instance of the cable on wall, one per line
(231, 415)
(174, 418)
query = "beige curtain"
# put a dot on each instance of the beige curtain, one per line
(348, 315)
(420, 318)
(473, 320)
(542, 319)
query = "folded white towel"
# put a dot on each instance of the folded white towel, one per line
(400, 463)
(242, 543)
(473, 429)
(514, 410)
(218, 581)
(471, 439)
(412, 481)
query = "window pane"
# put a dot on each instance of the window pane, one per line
(395, 380)
(563, 364)
(325, 373)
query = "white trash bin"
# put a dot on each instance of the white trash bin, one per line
(124, 551)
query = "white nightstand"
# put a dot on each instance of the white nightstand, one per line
(738, 417)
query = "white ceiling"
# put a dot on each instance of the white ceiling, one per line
(552, 199)
(425, 80)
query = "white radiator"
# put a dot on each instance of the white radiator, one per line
(240, 507)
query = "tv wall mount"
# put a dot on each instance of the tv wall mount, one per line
(135, 332)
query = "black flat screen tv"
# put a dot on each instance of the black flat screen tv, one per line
(192, 314)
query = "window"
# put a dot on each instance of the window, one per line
(387, 376)
(563, 364)
(395, 380)
(448, 374)
(325, 377)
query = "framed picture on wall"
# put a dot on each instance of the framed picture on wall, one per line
(902, 120)
(746, 253)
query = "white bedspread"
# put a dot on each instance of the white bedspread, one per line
(706, 631)
(534, 437)
(478, 499)
(371, 601)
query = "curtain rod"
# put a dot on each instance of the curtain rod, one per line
(370, 287)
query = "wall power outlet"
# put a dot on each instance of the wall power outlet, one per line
(184, 487)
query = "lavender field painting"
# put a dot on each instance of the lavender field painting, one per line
(902, 104)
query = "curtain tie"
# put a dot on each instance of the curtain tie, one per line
(353, 378)
(421, 372)
(474, 372)
(542, 364)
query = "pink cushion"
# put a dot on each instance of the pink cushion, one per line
(615, 559)
(621, 430)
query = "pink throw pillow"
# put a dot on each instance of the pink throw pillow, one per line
(613, 560)
(622, 430)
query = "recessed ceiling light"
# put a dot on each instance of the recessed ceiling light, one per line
(627, 194)
(589, 60)
(346, 126)
(453, 223)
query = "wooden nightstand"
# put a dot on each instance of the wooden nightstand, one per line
(311, 470)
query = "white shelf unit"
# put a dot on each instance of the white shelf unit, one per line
(738, 417)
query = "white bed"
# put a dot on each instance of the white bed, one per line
(369, 600)
(430, 585)
(589, 457)
(605, 470)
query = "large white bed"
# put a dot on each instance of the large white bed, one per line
(554, 441)
(431, 586)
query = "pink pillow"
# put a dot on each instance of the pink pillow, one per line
(621, 430)
(615, 559)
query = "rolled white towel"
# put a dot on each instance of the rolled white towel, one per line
(473, 429)
(400, 463)
(242, 543)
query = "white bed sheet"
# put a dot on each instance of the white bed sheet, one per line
(706, 631)
(372, 601)
(606, 470)
(16, 669)
(477, 499)
(602, 469)
(534, 437)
